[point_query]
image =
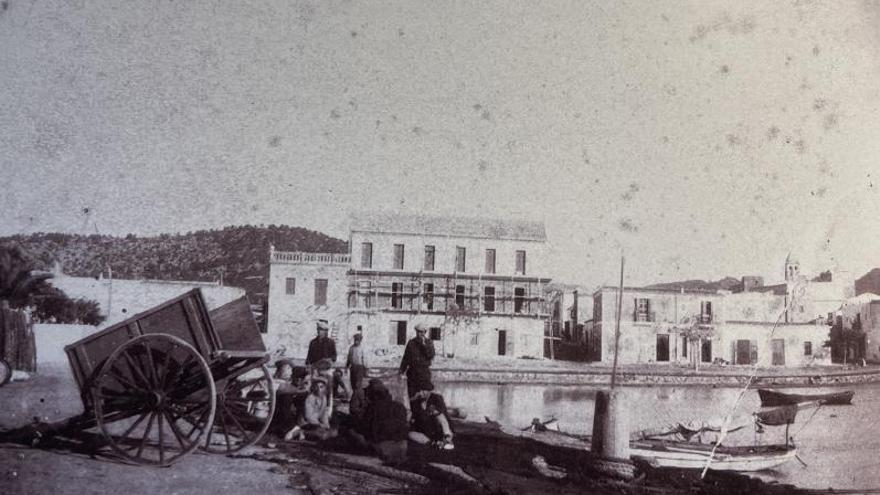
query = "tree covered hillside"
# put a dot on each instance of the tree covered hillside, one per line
(241, 254)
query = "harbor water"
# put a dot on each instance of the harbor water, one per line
(838, 444)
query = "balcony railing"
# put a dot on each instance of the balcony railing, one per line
(705, 319)
(299, 257)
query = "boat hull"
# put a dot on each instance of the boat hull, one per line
(772, 398)
(695, 456)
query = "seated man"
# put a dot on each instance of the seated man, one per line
(431, 418)
(314, 422)
(291, 389)
(384, 424)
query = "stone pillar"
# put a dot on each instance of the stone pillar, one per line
(610, 426)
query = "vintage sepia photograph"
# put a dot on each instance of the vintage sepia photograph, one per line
(439, 247)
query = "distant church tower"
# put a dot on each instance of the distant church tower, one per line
(792, 269)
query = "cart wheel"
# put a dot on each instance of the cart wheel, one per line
(5, 372)
(245, 405)
(154, 399)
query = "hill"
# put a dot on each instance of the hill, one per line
(241, 253)
(726, 283)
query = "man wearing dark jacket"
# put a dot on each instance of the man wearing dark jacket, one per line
(322, 346)
(416, 362)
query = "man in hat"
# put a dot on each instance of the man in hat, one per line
(416, 362)
(322, 346)
(356, 362)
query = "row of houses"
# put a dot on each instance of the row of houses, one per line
(482, 288)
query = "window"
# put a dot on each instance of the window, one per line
(475, 339)
(808, 348)
(519, 299)
(490, 261)
(459, 296)
(520, 262)
(706, 312)
(429, 258)
(642, 310)
(460, 259)
(489, 299)
(429, 297)
(398, 332)
(367, 293)
(396, 295)
(398, 256)
(435, 333)
(290, 286)
(684, 347)
(367, 255)
(320, 292)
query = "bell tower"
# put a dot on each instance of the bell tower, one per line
(792, 268)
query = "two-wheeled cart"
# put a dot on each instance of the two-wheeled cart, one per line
(173, 379)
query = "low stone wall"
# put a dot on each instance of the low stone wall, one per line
(823, 377)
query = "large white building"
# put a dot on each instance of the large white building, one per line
(476, 283)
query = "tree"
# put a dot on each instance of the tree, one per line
(23, 286)
(695, 332)
(18, 279)
(457, 318)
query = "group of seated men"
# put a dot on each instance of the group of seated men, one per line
(374, 420)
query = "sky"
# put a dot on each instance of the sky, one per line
(697, 139)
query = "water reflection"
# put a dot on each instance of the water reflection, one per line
(839, 444)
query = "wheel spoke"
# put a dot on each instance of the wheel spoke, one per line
(140, 449)
(177, 371)
(136, 370)
(174, 429)
(195, 424)
(134, 425)
(164, 381)
(244, 433)
(161, 415)
(225, 432)
(117, 375)
(154, 373)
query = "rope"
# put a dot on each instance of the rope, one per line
(808, 420)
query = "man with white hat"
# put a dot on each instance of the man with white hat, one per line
(322, 346)
(416, 362)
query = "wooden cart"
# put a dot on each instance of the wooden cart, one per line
(175, 378)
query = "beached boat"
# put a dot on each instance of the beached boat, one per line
(770, 398)
(686, 455)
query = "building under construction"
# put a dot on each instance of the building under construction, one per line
(475, 283)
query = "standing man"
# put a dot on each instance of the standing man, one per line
(416, 362)
(322, 346)
(321, 356)
(356, 363)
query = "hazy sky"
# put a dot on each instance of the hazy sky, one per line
(702, 139)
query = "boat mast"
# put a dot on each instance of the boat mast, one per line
(617, 325)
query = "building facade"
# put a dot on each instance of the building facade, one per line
(655, 326)
(786, 324)
(475, 283)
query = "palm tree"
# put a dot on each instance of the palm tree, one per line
(18, 279)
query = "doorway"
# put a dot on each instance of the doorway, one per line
(502, 342)
(778, 348)
(662, 348)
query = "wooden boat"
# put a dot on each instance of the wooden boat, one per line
(770, 398)
(686, 455)
(677, 454)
